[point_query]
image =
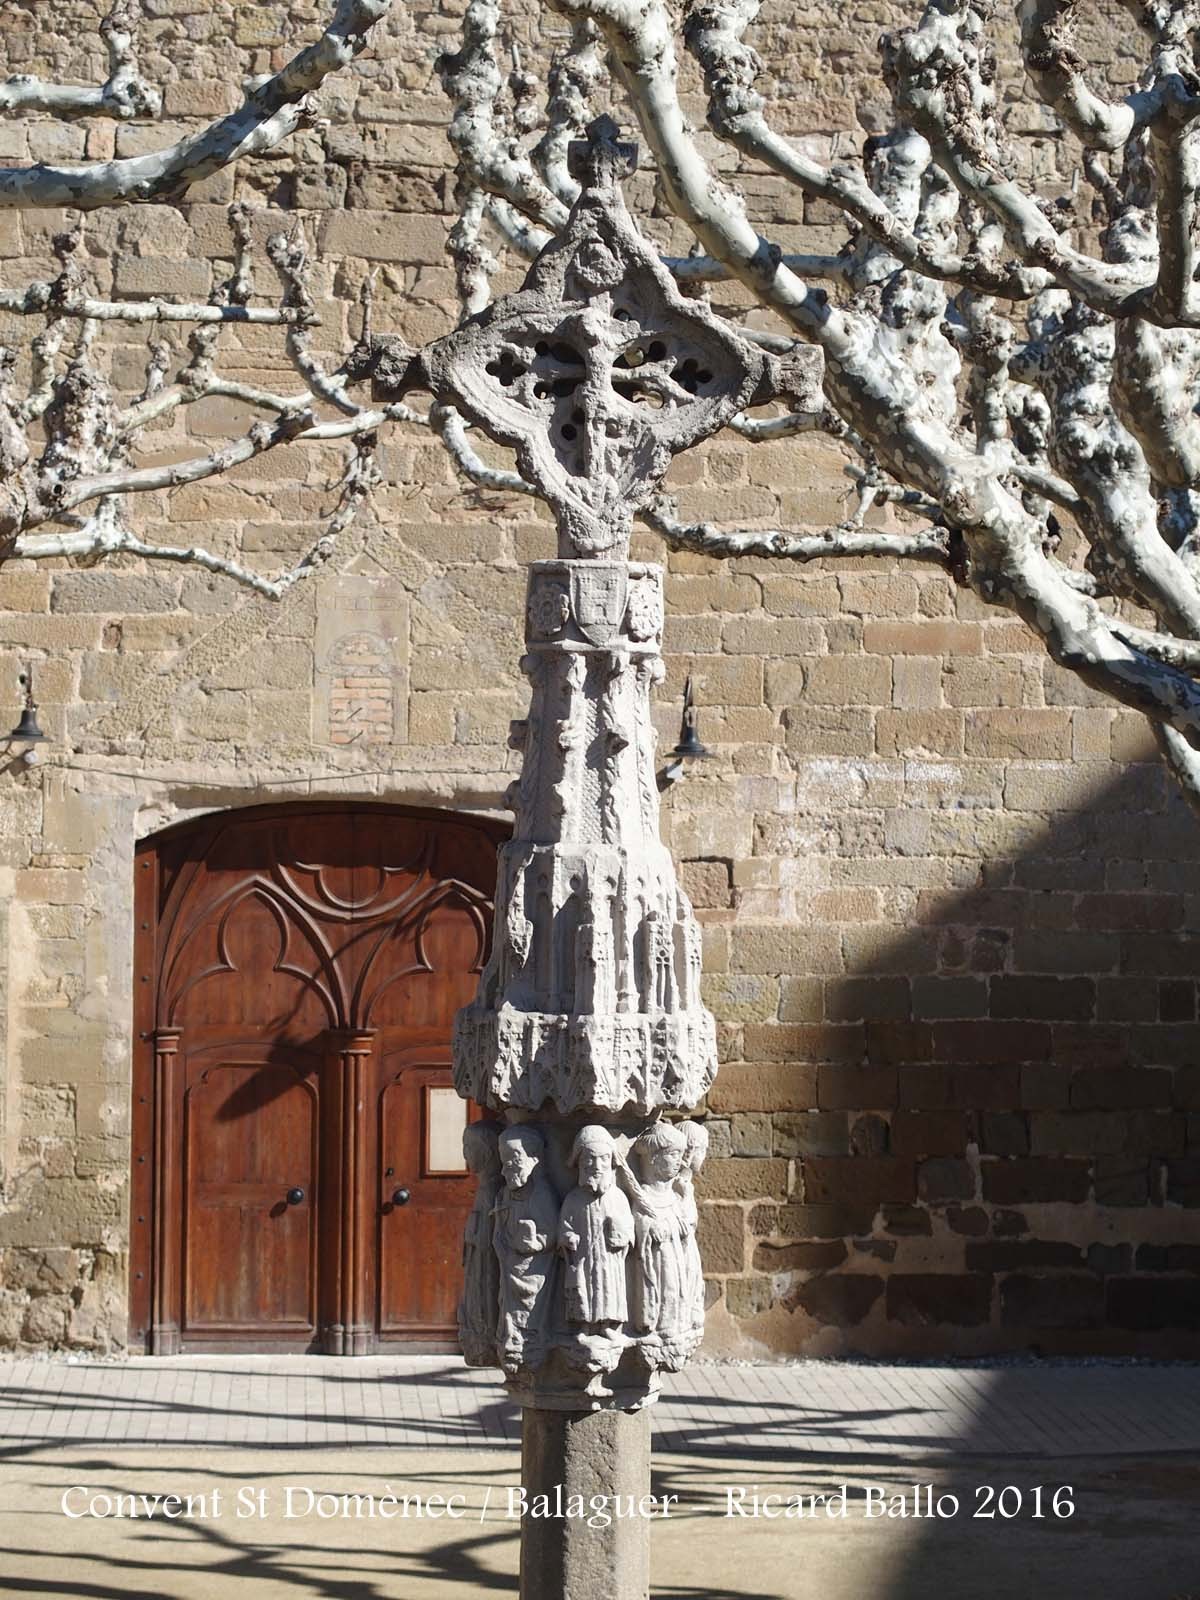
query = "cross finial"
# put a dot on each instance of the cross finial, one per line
(602, 159)
(597, 371)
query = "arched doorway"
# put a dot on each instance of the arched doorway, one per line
(298, 1180)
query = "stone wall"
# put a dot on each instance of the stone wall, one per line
(949, 899)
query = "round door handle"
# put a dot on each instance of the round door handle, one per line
(295, 1197)
(400, 1197)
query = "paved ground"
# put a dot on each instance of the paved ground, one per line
(434, 1402)
(75, 1436)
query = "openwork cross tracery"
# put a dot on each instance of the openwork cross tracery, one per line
(597, 371)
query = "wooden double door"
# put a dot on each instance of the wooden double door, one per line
(298, 1181)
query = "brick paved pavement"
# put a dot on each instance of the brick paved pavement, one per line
(432, 1402)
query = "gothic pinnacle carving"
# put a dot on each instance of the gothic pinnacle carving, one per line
(591, 999)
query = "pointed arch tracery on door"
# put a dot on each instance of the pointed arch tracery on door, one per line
(321, 978)
(414, 926)
(342, 972)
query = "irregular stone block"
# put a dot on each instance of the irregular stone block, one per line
(926, 1299)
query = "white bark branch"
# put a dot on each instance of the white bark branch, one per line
(643, 47)
(272, 110)
(143, 480)
(474, 263)
(289, 257)
(1058, 73)
(940, 87)
(123, 94)
(451, 427)
(1181, 653)
(105, 534)
(39, 299)
(736, 113)
(489, 160)
(574, 77)
(847, 539)
(1182, 758)
(762, 430)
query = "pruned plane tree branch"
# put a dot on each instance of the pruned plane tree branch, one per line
(1019, 375)
(1016, 376)
(73, 454)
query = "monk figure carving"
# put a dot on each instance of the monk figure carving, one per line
(526, 1229)
(662, 1277)
(595, 1232)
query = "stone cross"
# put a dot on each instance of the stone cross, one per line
(598, 371)
(588, 1024)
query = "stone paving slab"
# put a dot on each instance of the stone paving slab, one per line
(814, 1409)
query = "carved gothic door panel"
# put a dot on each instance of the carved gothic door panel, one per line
(293, 965)
(424, 1196)
(250, 1199)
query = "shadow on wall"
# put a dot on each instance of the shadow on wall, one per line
(983, 1134)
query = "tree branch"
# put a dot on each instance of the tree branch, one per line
(105, 534)
(941, 87)
(847, 539)
(1056, 70)
(487, 159)
(124, 94)
(736, 113)
(39, 299)
(643, 48)
(289, 257)
(272, 109)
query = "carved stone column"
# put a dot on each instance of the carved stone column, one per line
(582, 1275)
(587, 1026)
(588, 1023)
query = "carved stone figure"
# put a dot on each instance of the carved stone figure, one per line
(645, 611)
(595, 1231)
(662, 1277)
(695, 1150)
(481, 1268)
(549, 609)
(525, 1237)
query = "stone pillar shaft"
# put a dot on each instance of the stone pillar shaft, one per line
(580, 1468)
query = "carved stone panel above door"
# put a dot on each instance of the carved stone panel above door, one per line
(361, 663)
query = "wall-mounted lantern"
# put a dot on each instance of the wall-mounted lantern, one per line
(690, 747)
(27, 733)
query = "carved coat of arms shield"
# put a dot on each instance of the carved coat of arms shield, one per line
(598, 597)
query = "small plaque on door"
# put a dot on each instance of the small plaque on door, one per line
(445, 1119)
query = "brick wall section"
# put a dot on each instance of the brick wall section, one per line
(949, 901)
